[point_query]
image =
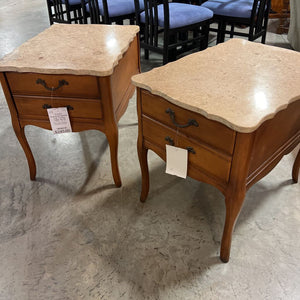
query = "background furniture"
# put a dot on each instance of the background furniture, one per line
(284, 17)
(93, 83)
(294, 27)
(236, 131)
(253, 14)
(65, 11)
(109, 11)
(173, 21)
(276, 8)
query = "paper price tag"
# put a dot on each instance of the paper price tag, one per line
(59, 120)
(177, 161)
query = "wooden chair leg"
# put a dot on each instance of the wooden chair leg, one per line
(296, 166)
(221, 32)
(234, 202)
(113, 140)
(205, 33)
(146, 53)
(170, 54)
(142, 154)
(231, 31)
(263, 38)
(20, 133)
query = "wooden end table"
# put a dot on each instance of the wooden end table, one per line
(86, 68)
(235, 107)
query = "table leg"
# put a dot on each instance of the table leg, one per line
(113, 140)
(20, 133)
(234, 202)
(142, 153)
(296, 166)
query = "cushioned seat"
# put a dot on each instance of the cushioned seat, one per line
(73, 2)
(171, 28)
(118, 8)
(181, 15)
(230, 8)
(253, 14)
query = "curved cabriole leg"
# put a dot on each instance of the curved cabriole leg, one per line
(296, 167)
(113, 138)
(20, 133)
(234, 202)
(142, 153)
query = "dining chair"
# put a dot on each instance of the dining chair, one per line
(253, 14)
(109, 11)
(172, 28)
(65, 11)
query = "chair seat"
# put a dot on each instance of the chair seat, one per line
(73, 2)
(181, 14)
(230, 8)
(118, 8)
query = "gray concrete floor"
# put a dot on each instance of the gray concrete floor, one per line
(72, 235)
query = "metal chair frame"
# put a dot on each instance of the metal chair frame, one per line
(257, 23)
(63, 12)
(175, 41)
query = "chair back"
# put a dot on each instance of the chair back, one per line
(151, 27)
(59, 11)
(91, 9)
(259, 15)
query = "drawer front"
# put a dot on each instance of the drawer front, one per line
(199, 156)
(207, 131)
(78, 108)
(64, 85)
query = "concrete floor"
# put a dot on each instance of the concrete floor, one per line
(72, 235)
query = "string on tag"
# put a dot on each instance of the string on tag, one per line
(52, 90)
(176, 137)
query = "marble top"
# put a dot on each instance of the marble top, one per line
(72, 49)
(238, 83)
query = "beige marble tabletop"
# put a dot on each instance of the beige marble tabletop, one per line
(238, 83)
(72, 49)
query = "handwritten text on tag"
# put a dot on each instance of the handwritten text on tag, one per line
(59, 119)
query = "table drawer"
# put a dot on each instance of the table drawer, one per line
(64, 85)
(207, 131)
(199, 156)
(78, 108)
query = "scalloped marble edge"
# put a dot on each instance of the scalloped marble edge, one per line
(214, 117)
(82, 72)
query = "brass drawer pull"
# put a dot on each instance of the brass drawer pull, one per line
(190, 149)
(189, 123)
(46, 106)
(44, 84)
(169, 140)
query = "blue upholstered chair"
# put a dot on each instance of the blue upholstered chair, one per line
(253, 14)
(165, 27)
(109, 11)
(65, 11)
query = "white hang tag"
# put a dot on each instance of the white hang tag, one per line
(59, 120)
(177, 161)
